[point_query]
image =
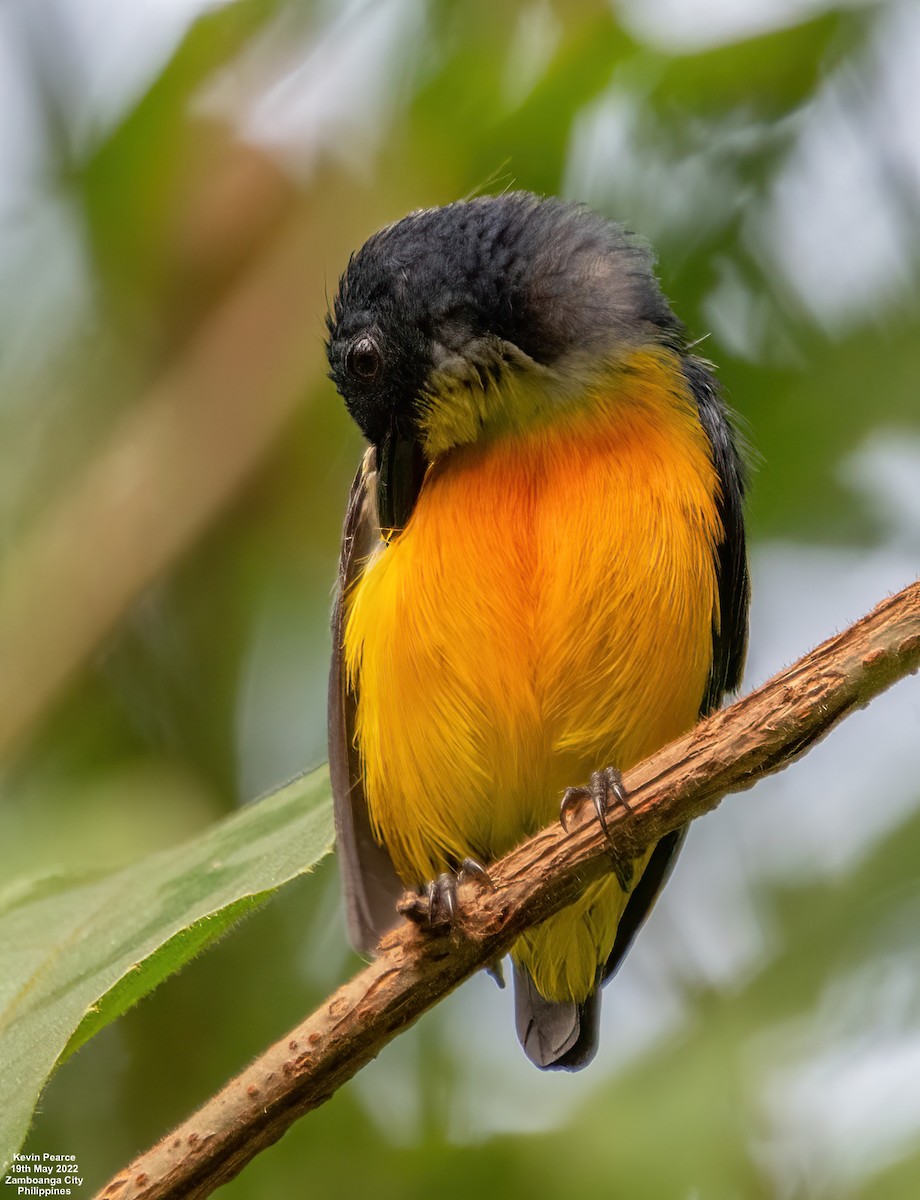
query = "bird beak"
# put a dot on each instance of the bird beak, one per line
(401, 467)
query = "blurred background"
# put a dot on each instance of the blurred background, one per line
(181, 184)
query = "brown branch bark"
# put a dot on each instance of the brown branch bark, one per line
(728, 752)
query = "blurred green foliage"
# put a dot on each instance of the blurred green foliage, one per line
(80, 950)
(328, 121)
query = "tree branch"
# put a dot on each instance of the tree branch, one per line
(728, 752)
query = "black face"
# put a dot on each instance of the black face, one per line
(379, 361)
(544, 275)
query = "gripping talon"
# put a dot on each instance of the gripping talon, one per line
(605, 791)
(448, 891)
(431, 901)
(570, 799)
(442, 900)
(471, 869)
(613, 781)
(435, 905)
(598, 799)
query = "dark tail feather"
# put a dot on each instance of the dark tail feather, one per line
(562, 1035)
(556, 1035)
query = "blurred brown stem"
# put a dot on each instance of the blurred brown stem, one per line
(184, 450)
(166, 472)
(728, 752)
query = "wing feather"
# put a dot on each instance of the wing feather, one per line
(370, 883)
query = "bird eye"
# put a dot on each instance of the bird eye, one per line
(364, 360)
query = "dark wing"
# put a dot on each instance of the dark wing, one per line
(369, 879)
(730, 624)
(729, 629)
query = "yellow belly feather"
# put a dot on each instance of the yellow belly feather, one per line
(547, 611)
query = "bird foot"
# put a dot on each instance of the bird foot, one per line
(606, 792)
(435, 906)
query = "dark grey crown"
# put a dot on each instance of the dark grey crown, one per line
(548, 276)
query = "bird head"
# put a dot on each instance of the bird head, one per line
(458, 324)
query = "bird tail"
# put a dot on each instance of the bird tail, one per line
(557, 1035)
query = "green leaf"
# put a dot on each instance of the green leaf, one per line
(77, 952)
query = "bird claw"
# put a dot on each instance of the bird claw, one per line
(605, 791)
(436, 905)
(442, 900)
(471, 869)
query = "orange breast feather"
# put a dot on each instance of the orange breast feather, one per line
(547, 611)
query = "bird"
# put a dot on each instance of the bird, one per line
(543, 576)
